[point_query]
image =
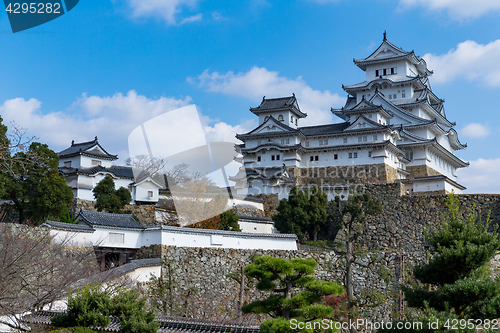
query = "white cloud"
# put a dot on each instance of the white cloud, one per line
(457, 9)
(482, 176)
(167, 10)
(259, 82)
(469, 60)
(111, 118)
(194, 18)
(475, 130)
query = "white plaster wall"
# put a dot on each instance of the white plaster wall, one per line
(75, 161)
(86, 162)
(133, 238)
(144, 274)
(72, 238)
(141, 192)
(253, 227)
(429, 186)
(234, 242)
(240, 202)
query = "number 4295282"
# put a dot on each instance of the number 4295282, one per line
(34, 8)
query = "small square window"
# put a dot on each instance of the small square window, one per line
(67, 164)
(375, 137)
(335, 156)
(355, 155)
(360, 139)
(272, 157)
(403, 95)
(277, 157)
(345, 140)
(350, 155)
(376, 72)
(365, 138)
(316, 158)
(96, 162)
(369, 154)
(150, 194)
(259, 158)
(311, 158)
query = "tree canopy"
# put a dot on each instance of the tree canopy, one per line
(295, 293)
(303, 213)
(110, 199)
(35, 188)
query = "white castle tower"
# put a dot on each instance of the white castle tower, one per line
(394, 129)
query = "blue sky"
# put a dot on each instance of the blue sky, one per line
(109, 65)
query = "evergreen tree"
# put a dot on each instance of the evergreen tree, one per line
(110, 199)
(295, 293)
(303, 213)
(229, 221)
(92, 307)
(456, 284)
(34, 186)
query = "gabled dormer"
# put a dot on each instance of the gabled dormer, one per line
(85, 155)
(285, 109)
(390, 60)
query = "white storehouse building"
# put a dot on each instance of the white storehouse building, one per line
(394, 128)
(85, 164)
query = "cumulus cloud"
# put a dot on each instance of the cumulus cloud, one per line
(259, 81)
(168, 10)
(111, 118)
(475, 130)
(482, 176)
(457, 9)
(469, 60)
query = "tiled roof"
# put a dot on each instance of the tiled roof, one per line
(324, 129)
(167, 324)
(273, 104)
(101, 219)
(255, 219)
(68, 226)
(82, 149)
(271, 172)
(118, 171)
(218, 232)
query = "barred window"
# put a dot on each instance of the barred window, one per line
(116, 238)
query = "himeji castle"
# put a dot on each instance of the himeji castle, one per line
(393, 129)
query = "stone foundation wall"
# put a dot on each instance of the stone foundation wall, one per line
(247, 211)
(208, 275)
(421, 171)
(375, 173)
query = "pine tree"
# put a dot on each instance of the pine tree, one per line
(303, 213)
(295, 293)
(456, 283)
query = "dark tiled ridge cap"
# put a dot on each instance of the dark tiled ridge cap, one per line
(69, 226)
(109, 219)
(256, 219)
(184, 230)
(166, 324)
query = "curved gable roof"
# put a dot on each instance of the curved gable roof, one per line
(89, 148)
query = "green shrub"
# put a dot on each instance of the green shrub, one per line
(91, 307)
